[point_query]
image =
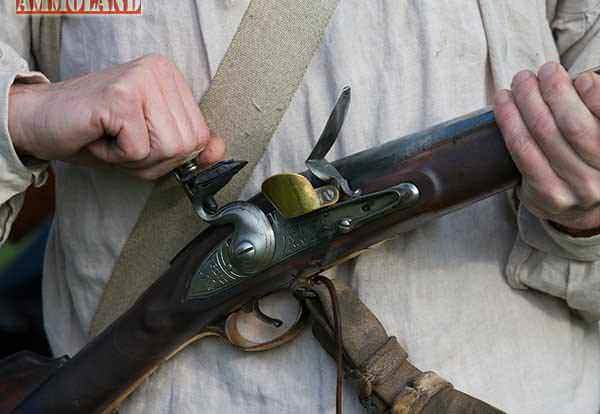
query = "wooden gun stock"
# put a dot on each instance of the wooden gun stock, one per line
(23, 373)
(452, 165)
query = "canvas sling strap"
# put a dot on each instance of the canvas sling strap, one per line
(376, 362)
(244, 104)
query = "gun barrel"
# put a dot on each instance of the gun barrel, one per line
(469, 148)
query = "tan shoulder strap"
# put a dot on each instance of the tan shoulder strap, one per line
(46, 34)
(252, 88)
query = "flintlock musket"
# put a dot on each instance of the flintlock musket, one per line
(297, 227)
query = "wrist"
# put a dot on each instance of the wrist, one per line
(23, 123)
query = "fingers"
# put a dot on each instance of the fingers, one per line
(170, 121)
(526, 153)
(175, 125)
(579, 126)
(552, 131)
(157, 170)
(86, 159)
(562, 127)
(140, 115)
(151, 121)
(213, 152)
(534, 99)
(129, 144)
(588, 86)
(580, 129)
(540, 181)
(198, 126)
(587, 122)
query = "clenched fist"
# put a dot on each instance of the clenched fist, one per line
(140, 116)
(551, 126)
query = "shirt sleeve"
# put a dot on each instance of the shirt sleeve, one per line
(543, 258)
(16, 175)
(549, 261)
(576, 27)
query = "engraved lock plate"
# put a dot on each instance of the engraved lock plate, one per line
(292, 236)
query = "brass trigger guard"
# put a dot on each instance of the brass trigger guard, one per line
(233, 335)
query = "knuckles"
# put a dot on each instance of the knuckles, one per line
(525, 87)
(554, 86)
(171, 150)
(136, 152)
(524, 84)
(158, 61)
(584, 79)
(148, 72)
(589, 192)
(127, 96)
(591, 94)
(178, 150)
(154, 63)
(121, 91)
(124, 99)
(555, 200)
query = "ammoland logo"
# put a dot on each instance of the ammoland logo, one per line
(79, 7)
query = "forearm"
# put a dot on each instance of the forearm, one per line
(23, 118)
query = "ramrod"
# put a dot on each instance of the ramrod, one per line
(299, 225)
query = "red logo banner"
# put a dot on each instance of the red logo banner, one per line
(128, 7)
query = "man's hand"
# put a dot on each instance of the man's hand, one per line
(551, 127)
(140, 116)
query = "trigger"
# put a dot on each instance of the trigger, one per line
(232, 333)
(277, 323)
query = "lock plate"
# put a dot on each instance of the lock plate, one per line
(292, 236)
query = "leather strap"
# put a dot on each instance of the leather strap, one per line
(378, 365)
(252, 88)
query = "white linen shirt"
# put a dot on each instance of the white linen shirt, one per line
(481, 296)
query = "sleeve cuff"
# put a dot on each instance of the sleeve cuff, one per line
(16, 174)
(558, 264)
(580, 248)
(566, 271)
(541, 235)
